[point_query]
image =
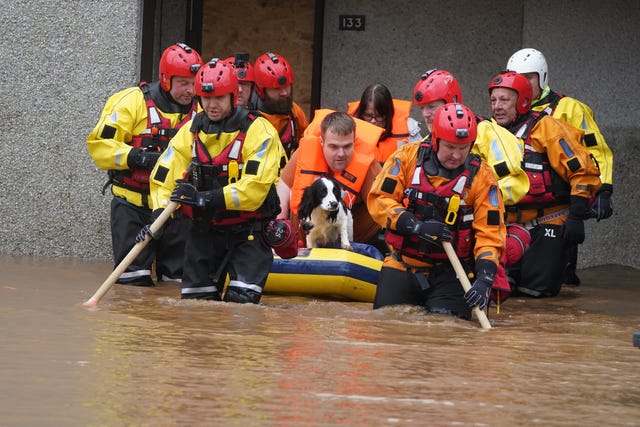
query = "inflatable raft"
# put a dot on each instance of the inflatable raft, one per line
(325, 272)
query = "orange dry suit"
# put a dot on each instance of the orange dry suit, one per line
(311, 163)
(558, 167)
(404, 129)
(290, 126)
(467, 198)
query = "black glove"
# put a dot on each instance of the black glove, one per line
(601, 207)
(187, 194)
(146, 230)
(435, 230)
(481, 289)
(141, 159)
(574, 225)
(432, 230)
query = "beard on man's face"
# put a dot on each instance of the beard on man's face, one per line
(279, 105)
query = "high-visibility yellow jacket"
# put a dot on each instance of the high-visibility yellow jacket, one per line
(579, 115)
(502, 151)
(261, 156)
(124, 118)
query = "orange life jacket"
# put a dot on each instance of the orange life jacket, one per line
(399, 128)
(311, 163)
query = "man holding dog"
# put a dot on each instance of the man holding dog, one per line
(433, 192)
(336, 145)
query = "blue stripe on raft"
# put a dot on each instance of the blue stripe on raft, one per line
(325, 268)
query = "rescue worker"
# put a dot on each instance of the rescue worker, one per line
(432, 192)
(274, 90)
(222, 168)
(246, 78)
(135, 126)
(532, 64)
(495, 145)
(377, 106)
(562, 176)
(334, 144)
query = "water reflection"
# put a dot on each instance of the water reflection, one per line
(144, 357)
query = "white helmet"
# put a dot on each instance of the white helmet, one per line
(530, 61)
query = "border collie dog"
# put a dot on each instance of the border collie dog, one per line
(324, 216)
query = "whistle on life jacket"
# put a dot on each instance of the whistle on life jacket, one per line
(452, 210)
(233, 171)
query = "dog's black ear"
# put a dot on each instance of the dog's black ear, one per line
(337, 190)
(307, 203)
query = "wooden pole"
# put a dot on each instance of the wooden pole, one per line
(464, 281)
(131, 256)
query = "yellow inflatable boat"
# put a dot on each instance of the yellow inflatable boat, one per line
(325, 272)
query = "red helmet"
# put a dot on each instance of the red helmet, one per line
(272, 71)
(217, 78)
(453, 123)
(242, 66)
(178, 60)
(434, 85)
(517, 82)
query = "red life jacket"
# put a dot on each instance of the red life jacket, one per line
(155, 137)
(208, 173)
(427, 202)
(546, 187)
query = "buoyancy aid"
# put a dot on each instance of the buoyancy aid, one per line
(311, 163)
(445, 204)
(154, 138)
(208, 173)
(400, 132)
(546, 187)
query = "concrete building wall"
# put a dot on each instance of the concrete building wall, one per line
(60, 62)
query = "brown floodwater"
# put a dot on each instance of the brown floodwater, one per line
(143, 357)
